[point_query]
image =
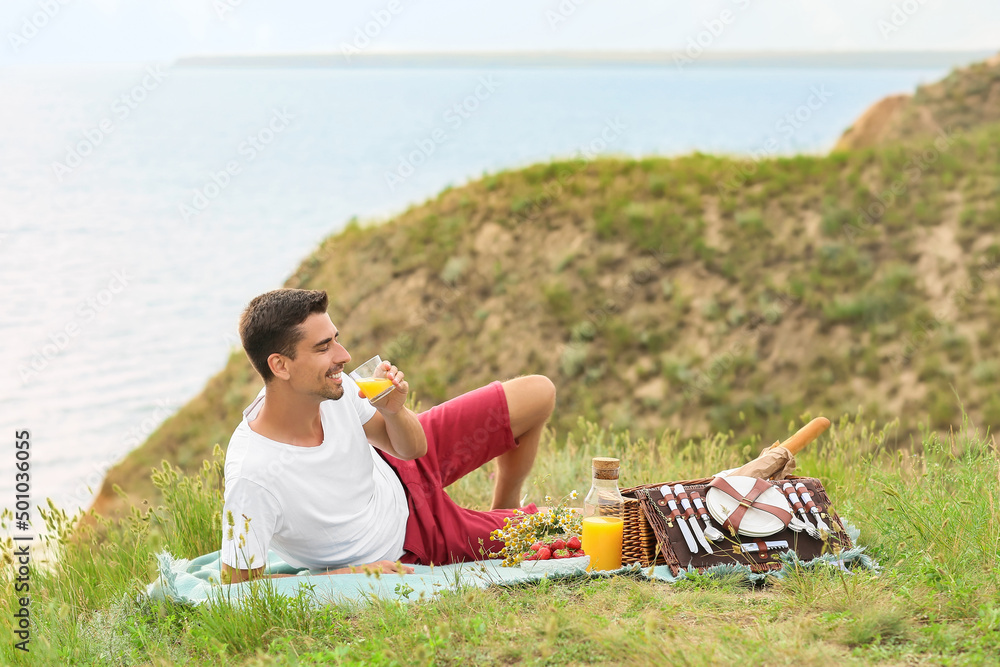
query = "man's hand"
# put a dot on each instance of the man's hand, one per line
(386, 567)
(382, 566)
(392, 402)
(393, 428)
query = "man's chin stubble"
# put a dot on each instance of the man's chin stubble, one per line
(332, 395)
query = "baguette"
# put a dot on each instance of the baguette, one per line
(804, 435)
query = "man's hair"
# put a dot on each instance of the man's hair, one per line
(270, 324)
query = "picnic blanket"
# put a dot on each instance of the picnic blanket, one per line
(197, 581)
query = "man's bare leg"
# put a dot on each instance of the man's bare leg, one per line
(530, 400)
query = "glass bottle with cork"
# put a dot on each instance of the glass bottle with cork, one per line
(604, 516)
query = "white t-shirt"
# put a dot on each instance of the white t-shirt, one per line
(329, 506)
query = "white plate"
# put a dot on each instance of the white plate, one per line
(755, 523)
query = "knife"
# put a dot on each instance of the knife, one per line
(691, 518)
(711, 532)
(752, 546)
(797, 505)
(685, 530)
(811, 506)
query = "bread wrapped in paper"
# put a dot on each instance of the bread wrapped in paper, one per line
(778, 460)
(773, 463)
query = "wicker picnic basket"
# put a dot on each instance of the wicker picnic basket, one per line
(649, 544)
(638, 539)
(649, 540)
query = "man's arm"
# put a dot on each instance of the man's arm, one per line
(394, 428)
(231, 575)
(400, 435)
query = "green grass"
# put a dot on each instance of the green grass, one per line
(930, 513)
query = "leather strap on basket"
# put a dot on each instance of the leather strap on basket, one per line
(732, 522)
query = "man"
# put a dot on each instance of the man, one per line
(332, 482)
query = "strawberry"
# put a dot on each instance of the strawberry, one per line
(543, 554)
(531, 557)
(561, 553)
(574, 543)
(559, 544)
(578, 552)
(536, 546)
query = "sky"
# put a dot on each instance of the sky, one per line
(120, 31)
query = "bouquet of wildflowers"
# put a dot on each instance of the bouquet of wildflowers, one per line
(524, 535)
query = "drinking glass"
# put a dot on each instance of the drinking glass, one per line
(370, 378)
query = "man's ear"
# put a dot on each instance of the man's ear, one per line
(278, 363)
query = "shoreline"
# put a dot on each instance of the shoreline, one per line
(674, 59)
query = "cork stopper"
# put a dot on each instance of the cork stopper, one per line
(605, 468)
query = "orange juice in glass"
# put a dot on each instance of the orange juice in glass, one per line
(602, 541)
(374, 387)
(371, 380)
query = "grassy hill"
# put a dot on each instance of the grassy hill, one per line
(968, 97)
(699, 294)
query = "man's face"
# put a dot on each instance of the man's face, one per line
(319, 359)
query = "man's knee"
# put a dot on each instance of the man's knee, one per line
(531, 400)
(546, 392)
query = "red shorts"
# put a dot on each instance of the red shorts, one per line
(462, 435)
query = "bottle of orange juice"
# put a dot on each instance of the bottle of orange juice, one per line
(604, 516)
